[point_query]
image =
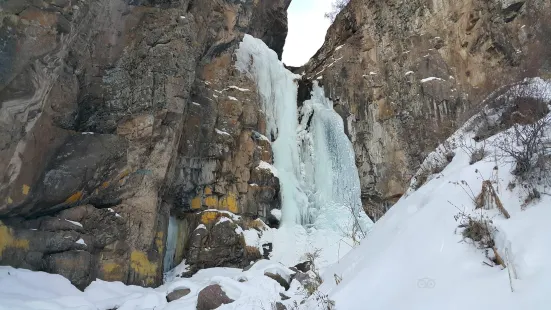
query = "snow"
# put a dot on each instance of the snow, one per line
(75, 223)
(113, 211)
(409, 73)
(238, 88)
(252, 238)
(260, 136)
(432, 78)
(232, 98)
(195, 103)
(265, 166)
(276, 213)
(81, 241)
(222, 219)
(221, 132)
(339, 47)
(27, 290)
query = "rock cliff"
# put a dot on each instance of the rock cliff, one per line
(115, 114)
(405, 74)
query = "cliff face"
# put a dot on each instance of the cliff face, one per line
(115, 114)
(406, 74)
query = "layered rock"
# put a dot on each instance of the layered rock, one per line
(405, 74)
(116, 114)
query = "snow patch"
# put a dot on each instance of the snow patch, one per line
(75, 223)
(220, 132)
(265, 166)
(432, 78)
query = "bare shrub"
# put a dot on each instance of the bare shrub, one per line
(529, 147)
(480, 232)
(488, 199)
(336, 8)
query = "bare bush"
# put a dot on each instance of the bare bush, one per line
(480, 232)
(530, 148)
(336, 7)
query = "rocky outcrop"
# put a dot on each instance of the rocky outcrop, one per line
(117, 114)
(405, 74)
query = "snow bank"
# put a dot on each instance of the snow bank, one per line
(417, 252)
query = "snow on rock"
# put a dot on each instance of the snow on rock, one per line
(432, 78)
(222, 219)
(276, 213)
(238, 88)
(220, 132)
(75, 223)
(265, 166)
(81, 241)
(252, 238)
(232, 98)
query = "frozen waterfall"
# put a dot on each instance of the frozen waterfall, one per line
(320, 187)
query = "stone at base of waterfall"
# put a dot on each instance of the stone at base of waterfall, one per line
(212, 297)
(279, 279)
(217, 244)
(177, 294)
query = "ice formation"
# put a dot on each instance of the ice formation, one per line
(315, 161)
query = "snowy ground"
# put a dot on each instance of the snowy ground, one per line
(416, 258)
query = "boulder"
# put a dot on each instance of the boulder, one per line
(212, 297)
(279, 279)
(177, 294)
(216, 243)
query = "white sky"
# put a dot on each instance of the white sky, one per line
(307, 28)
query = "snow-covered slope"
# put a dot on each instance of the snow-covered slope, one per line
(416, 257)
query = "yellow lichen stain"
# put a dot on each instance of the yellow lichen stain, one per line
(7, 240)
(105, 185)
(196, 203)
(9, 200)
(209, 217)
(159, 241)
(112, 272)
(26, 189)
(229, 203)
(74, 198)
(211, 202)
(143, 267)
(208, 190)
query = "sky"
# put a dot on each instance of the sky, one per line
(307, 28)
